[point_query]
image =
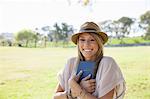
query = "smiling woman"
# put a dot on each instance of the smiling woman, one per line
(107, 82)
(88, 46)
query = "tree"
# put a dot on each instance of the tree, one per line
(2, 40)
(112, 28)
(24, 36)
(66, 29)
(116, 28)
(57, 32)
(107, 26)
(145, 19)
(61, 33)
(147, 34)
(36, 38)
(125, 27)
(50, 32)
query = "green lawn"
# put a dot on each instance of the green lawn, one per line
(31, 73)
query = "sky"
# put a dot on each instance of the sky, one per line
(30, 14)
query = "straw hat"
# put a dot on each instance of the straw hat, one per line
(90, 27)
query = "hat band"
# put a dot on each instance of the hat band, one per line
(88, 30)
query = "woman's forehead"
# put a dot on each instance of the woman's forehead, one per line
(85, 35)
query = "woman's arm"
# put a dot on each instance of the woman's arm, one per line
(109, 95)
(77, 91)
(85, 95)
(60, 93)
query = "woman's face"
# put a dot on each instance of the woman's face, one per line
(88, 46)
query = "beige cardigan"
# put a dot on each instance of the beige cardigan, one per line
(108, 77)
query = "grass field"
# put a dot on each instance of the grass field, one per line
(31, 73)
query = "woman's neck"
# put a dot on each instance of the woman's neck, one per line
(90, 59)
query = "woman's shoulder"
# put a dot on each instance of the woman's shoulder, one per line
(71, 63)
(71, 59)
(108, 63)
(107, 59)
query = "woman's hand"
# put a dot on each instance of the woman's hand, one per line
(74, 86)
(88, 84)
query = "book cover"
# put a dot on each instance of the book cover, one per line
(88, 67)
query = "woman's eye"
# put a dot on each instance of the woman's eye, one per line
(92, 40)
(81, 39)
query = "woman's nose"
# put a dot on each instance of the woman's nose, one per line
(87, 42)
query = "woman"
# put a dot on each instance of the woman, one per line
(108, 82)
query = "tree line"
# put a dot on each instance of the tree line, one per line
(61, 32)
(125, 25)
(58, 33)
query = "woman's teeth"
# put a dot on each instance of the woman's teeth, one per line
(88, 50)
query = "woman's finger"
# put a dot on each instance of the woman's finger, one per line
(80, 73)
(92, 80)
(92, 84)
(87, 77)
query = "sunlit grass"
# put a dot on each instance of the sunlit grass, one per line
(31, 73)
(127, 40)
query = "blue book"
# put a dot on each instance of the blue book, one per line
(88, 67)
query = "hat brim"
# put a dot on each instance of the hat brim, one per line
(103, 35)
